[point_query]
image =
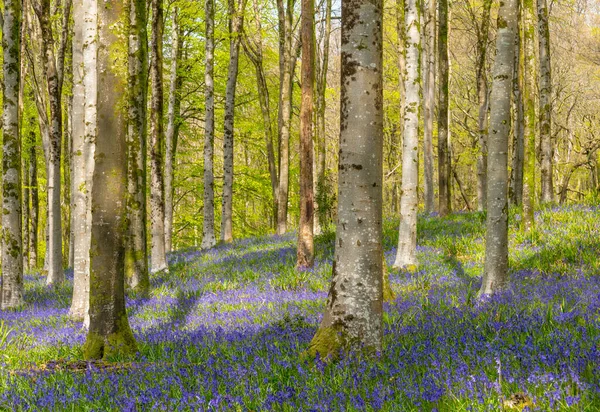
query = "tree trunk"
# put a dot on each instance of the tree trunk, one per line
(109, 333)
(429, 106)
(529, 102)
(444, 165)
(136, 261)
(516, 181)
(482, 96)
(208, 237)
(12, 238)
(320, 160)
(34, 215)
(545, 115)
(23, 147)
(406, 256)
(286, 67)
(51, 66)
(495, 277)
(158, 258)
(84, 134)
(66, 196)
(236, 22)
(306, 252)
(254, 51)
(173, 122)
(353, 315)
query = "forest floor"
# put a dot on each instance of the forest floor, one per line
(226, 329)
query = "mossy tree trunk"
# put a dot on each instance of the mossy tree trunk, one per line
(444, 164)
(109, 332)
(545, 104)
(429, 103)
(158, 258)
(353, 314)
(12, 237)
(530, 125)
(495, 277)
(516, 181)
(406, 256)
(136, 262)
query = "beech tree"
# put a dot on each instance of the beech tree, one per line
(158, 258)
(428, 57)
(406, 255)
(84, 135)
(495, 276)
(109, 332)
(305, 253)
(530, 124)
(136, 245)
(236, 21)
(545, 104)
(208, 237)
(444, 165)
(353, 313)
(12, 238)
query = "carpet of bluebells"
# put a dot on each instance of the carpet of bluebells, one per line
(226, 329)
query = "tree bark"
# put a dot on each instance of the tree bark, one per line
(173, 123)
(529, 102)
(482, 96)
(158, 258)
(306, 252)
(429, 105)
(236, 22)
(109, 332)
(516, 181)
(545, 107)
(84, 135)
(444, 165)
(208, 237)
(406, 256)
(320, 181)
(353, 315)
(12, 237)
(286, 67)
(34, 215)
(495, 277)
(53, 68)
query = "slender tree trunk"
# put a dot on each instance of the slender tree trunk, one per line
(353, 314)
(254, 51)
(173, 122)
(482, 96)
(66, 184)
(516, 180)
(34, 215)
(23, 148)
(321, 135)
(444, 165)
(398, 133)
(495, 276)
(406, 256)
(236, 22)
(85, 96)
(286, 67)
(545, 115)
(109, 332)
(530, 126)
(53, 70)
(12, 238)
(429, 106)
(158, 258)
(208, 238)
(136, 261)
(306, 251)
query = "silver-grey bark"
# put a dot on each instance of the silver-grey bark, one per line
(236, 16)
(406, 255)
(545, 114)
(353, 314)
(495, 277)
(12, 237)
(158, 257)
(208, 236)
(429, 103)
